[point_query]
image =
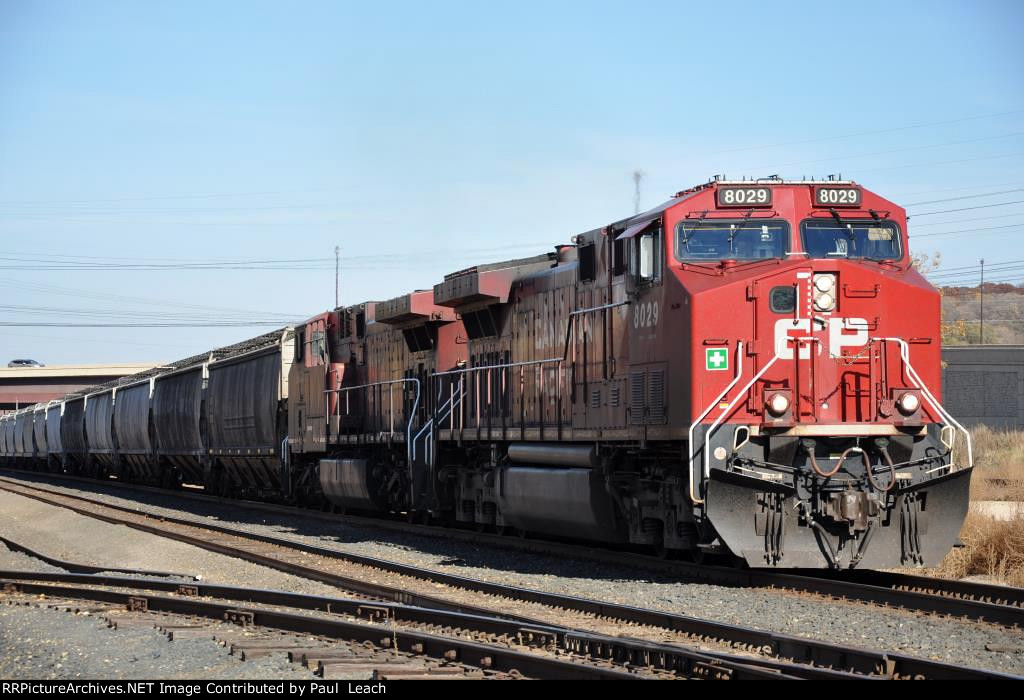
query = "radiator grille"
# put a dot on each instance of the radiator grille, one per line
(656, 397)
(637, 396)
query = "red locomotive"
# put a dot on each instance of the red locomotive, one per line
(751, 366)
(750, 369)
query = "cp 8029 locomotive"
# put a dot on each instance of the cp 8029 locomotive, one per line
(750, 369)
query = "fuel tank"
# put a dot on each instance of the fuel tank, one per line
(350, 483)
(559, 501)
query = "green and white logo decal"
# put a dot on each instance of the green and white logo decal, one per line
(716, 358)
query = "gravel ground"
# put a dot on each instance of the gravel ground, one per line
(945, 640)
(60, 533)
(16, 561)
(46, 644)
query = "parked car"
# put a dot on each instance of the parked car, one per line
(25, 363)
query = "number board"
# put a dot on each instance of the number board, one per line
(837, 196)
(744, 196)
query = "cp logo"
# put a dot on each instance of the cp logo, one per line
(839, 336)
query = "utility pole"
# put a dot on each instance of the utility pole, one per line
(981, 288)
(337, 251)
(638, 175)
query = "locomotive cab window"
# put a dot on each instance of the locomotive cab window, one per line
(645, 256)
(713, 240)
(618, 257)
(864, 239)
(318, 346)
(587, 265)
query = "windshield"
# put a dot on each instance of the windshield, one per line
(875, 240)
(731, 240)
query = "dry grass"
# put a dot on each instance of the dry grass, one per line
(999, 464)
(993, 548)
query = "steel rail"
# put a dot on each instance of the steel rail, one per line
(625, 656)
(793, 648)
(973, 608)
(706, 573)
(354, 585)
(80, 568)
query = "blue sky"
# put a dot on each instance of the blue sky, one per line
(425, 137)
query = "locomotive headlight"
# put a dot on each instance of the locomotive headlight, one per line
(908, 403)
(777, 404)
(824, 292)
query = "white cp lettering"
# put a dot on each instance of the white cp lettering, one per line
(837, 339)
(838, 336)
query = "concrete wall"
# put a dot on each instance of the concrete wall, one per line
(984, 384)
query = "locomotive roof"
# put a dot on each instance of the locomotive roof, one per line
(654, 213)
(533, 260)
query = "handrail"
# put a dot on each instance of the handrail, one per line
(412, 411)
(565, 348)
(718, 421)
(429, 424)
(943, 413)
(706, 443)
(527, 363)
(693, 425)
(411, 440)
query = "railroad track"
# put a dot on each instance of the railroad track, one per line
(469, 643)
(357, 573)
(1002, 605)
(274, 623)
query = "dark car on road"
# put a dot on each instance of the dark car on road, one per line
(25, 363)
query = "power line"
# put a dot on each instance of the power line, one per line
(46, 261)
(22, 285)
(965, 230)
(102, 341)
(968, 221)
(972, 267)
(961, 188)
(970, 276)
(129, 212)
(968, 196)
(159, 197)
(980, 206)
(967, 273)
